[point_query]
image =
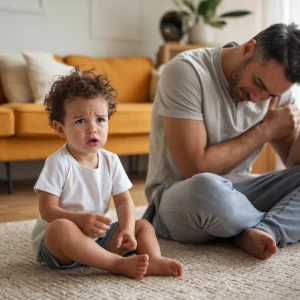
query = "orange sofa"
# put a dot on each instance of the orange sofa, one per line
(25, 133)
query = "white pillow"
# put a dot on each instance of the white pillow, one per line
(15, 81)
(43, 70)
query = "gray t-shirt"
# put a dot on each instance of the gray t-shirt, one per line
(193, 86)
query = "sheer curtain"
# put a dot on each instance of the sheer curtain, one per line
(282, 11)
(292, 15)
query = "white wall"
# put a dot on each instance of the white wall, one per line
(104, 28)
(91, 27)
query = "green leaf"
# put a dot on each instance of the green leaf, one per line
(184, 13)
(234, 14)
(207, 9)
(210, 13)
(217, 24)
(213, 4)
(189, 4)
(202, 8)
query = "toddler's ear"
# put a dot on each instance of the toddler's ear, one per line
(59, 128)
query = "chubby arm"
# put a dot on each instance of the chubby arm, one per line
(187, 141)
(126, 217)
(91, 224)
(50, 210)
(125, 211)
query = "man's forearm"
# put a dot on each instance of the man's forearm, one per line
(293, 158)
(224, 157)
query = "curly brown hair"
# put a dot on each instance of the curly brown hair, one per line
(84, 84)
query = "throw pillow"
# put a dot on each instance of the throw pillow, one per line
(43, 70)
(14, 78)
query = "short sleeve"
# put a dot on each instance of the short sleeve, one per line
(179, 91)
(120, 180)
(52, 177)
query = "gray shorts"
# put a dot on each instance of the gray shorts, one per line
(101, 241)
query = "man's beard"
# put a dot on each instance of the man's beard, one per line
(234, 82)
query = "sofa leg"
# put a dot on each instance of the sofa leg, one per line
(134, 164)
(9, 178)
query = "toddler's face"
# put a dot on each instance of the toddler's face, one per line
(85, 125)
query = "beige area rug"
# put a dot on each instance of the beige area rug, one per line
(211, 271)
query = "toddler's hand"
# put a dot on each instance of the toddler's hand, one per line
(93, 224)
(127, 240)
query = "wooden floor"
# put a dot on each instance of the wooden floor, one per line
(23, 204)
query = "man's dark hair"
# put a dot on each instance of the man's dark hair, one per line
(281, 43)
(84, 84)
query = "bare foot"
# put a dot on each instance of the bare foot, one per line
(164, 266)
(133, 266)
(256, 242)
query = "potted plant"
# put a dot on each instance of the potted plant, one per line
(202, 17)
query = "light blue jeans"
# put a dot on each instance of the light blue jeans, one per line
(206, 206)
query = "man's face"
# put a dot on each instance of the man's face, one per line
(253, 81)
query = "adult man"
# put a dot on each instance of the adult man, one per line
(214, 110)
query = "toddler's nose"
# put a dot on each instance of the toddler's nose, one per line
(92, 128)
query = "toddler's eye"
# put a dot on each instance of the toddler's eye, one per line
(100, 120)
(81, 121)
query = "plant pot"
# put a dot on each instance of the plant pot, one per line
(202, 33)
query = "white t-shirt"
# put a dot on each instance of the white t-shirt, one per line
(193, 86)
(79, 188)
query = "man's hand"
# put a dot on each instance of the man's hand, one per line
(127, 240)
(93, 224)
(282, 121)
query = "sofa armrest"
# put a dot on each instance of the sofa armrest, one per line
(7, 122)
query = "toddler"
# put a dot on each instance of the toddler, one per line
(77, 182)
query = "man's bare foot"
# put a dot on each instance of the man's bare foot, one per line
(256, 242)
(164, 266)
(133, 266)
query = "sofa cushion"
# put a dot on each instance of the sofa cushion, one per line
(43, 69)
(129, 75)
(14, 78)
(130, 118)
(7, 122)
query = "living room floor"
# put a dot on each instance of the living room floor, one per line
(23, 203)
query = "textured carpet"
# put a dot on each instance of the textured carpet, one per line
(213, 271)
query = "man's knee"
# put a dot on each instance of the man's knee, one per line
(216, 203)
(210, 191)
(205, 204)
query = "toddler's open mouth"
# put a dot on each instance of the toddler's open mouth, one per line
(92, 142)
